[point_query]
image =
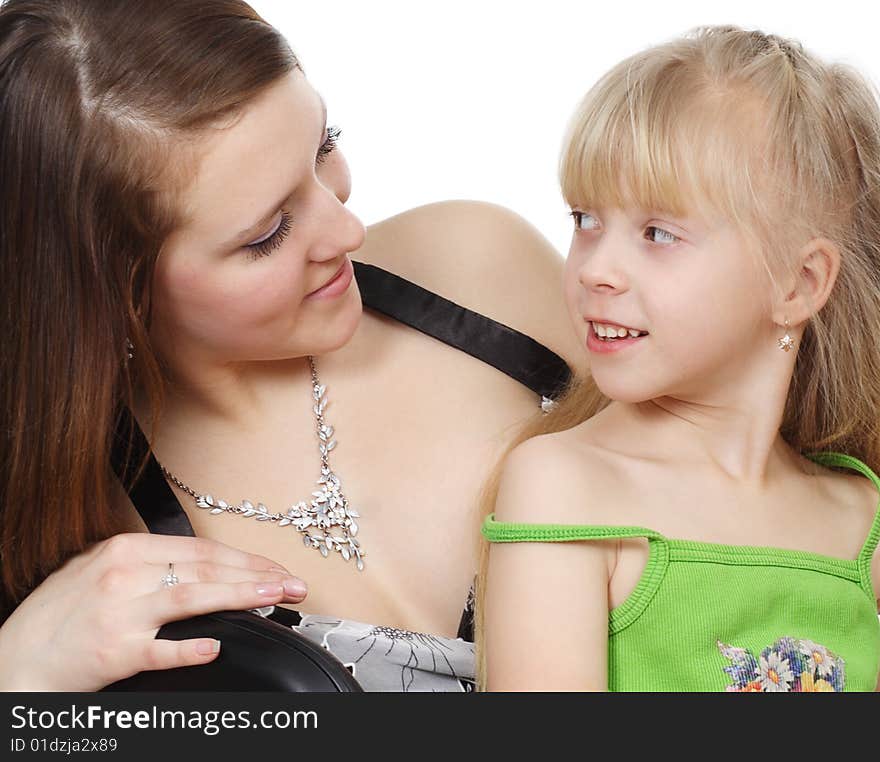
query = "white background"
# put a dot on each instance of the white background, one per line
(455, 99)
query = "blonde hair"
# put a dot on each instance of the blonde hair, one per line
(752, 128)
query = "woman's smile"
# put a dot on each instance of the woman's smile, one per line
(337, 285)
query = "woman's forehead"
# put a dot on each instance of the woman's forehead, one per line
(245, 168)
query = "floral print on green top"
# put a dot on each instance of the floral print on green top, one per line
(790, 665)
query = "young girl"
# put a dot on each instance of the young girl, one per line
(708, 501)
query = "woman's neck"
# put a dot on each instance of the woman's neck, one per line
(242, 397)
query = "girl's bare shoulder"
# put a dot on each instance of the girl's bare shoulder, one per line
(562, 478)
(855, 503)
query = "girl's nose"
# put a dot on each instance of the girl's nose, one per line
(600, 268)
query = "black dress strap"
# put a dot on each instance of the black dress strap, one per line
(519, 356)
(151, 495)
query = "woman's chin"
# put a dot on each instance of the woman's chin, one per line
(340, 327)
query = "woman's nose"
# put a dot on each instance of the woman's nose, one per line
(341, 179)
(352, 232)
(339, 232)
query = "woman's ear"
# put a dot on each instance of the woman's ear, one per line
(817, 265)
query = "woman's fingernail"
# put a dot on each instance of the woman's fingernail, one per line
(206, 647)
(295, 587)
(270, 589)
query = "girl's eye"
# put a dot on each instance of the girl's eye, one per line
(266, 245)
(659, 235)
(329, 144)
(583, 221)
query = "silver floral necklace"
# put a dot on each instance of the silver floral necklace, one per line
(327, 508)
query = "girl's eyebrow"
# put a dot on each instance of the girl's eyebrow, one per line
(688, 221)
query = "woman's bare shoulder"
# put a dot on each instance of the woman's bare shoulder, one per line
(484, 257)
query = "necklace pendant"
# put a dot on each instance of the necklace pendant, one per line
(327, 522)
(328, 511)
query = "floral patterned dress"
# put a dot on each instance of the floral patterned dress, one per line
(389, 659)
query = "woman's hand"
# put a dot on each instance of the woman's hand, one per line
(94, 620)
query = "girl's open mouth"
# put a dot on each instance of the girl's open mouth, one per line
(607, 344)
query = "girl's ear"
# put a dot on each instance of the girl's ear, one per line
(817, 265)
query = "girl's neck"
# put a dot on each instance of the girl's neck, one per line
(744, 446)
(727, 421)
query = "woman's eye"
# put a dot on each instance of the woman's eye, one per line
(583, 221)
(271, 241)
(659, 235)
(328, 145)
(266, 245)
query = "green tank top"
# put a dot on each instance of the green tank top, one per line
(713, 617)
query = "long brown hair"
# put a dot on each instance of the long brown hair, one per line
(753, 126)
(101, 105)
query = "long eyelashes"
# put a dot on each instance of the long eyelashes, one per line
(269, 244)
(578, 218)
(333, 134)
(665, 235)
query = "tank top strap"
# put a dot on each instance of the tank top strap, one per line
(831, 458)
(509, 531)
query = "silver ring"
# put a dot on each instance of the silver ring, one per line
(171, 578)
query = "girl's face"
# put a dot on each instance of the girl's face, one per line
(266, 228)
(691, 284)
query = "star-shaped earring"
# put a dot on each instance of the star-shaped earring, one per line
(786, 342)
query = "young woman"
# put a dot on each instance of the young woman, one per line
(177, 267)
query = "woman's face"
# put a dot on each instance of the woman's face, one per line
(266, 228)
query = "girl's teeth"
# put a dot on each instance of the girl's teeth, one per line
(611, 333)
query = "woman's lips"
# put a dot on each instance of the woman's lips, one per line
(337, 285)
